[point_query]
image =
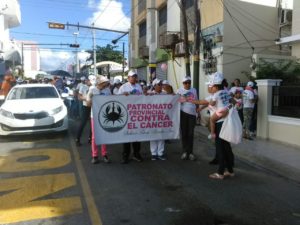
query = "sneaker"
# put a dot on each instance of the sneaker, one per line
(137, 157)
(106, 159)
(125, 161)
(209, 136)
(161, 157)
(192, 157)
(154, 157)
(77, 141)
(216, 176)
(95, 160)
(184, 156)
(228, 174)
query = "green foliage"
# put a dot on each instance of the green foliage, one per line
(107, 53)
(286, 70)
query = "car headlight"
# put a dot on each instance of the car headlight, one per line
(5, 113)
(56, 110)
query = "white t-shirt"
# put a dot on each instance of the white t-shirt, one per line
(116, 91)
(95, 91)
(222, 99)
(233, 90)
(191, 94)
(248, 97)
(83, 90)
(132, 89)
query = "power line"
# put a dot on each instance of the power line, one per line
(237, 26)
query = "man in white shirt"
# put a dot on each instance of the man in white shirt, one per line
(248, 105)
(132, 87)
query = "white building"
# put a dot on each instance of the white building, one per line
(10, 16)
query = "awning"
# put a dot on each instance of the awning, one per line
(289, 39)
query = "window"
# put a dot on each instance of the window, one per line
(189, 3)
(33, 92)
(162, 16)
(142, 29)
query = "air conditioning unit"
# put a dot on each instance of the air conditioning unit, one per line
(144, 52)
(180, 49)
(168, 40)
(286, 16)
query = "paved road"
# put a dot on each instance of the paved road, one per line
(48, 180)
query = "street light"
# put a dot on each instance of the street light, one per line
(115, 41)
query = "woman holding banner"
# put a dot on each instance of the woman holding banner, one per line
(101, 88)
(132, 87)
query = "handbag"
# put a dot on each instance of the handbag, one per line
(232, 128)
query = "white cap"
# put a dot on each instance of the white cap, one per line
(155, 82)
(132, 73)
(250, 84)
(82, 78)
(101, 79)
(92, 79)
(217, 78)
(117, 81)
(186, 78)
(165, 82)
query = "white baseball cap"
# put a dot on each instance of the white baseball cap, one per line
(250, 84)
(186, 78)
(132, 73)
(217, 78)
(82, 78)
(155, 82)
(101, 79)
(165, 82)
(117, 81)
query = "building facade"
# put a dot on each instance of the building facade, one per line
(232, 32)
(10, 16)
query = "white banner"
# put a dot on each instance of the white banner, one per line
(122, 119)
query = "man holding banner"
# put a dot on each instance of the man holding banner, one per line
(132, 87)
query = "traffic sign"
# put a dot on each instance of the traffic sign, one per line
(56, 26)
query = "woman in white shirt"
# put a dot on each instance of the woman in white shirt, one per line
(187, 117)
(101, 88)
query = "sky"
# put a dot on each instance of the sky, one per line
(108, 14)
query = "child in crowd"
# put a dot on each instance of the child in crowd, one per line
(238, 103)
(219, 99)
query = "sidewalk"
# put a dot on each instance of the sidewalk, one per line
(278, 158)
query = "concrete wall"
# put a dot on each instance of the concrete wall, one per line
(284, 129)
(296, 27)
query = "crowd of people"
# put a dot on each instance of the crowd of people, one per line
(218, 102)
(213, 110)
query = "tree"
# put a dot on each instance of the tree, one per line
(107, 53)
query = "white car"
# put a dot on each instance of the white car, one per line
(31, 108)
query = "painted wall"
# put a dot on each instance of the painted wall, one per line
(211, 12)
(284, 129)
(296, 28)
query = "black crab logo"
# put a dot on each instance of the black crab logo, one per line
(112, 116)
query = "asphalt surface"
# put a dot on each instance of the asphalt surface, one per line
(171, 192)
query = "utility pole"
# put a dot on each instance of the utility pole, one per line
(151, 36)
(196, 50)
(123, 61)
(185, 38)
(94, 50)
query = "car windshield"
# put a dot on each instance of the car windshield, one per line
(32, 92)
